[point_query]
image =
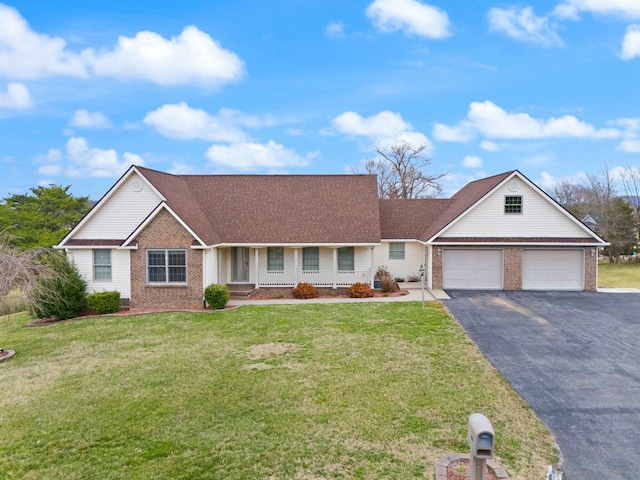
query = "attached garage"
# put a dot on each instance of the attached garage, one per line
(553, 269)
(472, 269)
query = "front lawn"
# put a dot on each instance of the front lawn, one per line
(619, 275)
(340, 391)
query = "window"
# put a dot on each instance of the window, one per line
(166, 266)
(346, 258)
(275, 258)
(396, 251)
(311, 258)
(513, 204)
(102, 265)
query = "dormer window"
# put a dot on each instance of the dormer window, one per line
(513, 204)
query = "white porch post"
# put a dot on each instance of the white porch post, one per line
(256, 257)
(335, 268)
(295, 265)
(371, 268)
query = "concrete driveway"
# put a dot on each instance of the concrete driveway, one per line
(575, 358)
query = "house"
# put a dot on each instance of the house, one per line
(159, 238)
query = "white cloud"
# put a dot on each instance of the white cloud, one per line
(490, 146)
(523, 25)
(79, 160)
(631, 43)
(384, 124)
(180, 121)
(335, 30)
(471, 161)
(255, 156)
(629, 146)
(445, 133)
(27, 55)
(491, 121)
(16, 97)
(627, 9)
(411, 16)
(89, 120)
(192, 58)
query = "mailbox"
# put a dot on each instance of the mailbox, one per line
(480, 436)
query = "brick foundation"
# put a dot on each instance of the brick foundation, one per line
(165, 232)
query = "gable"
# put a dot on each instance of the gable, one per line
(118, 215)
(540, 216)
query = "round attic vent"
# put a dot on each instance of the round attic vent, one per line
(136, 185)
(514, 186)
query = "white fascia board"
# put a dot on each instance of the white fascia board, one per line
(105, 198)
(555, 204)
(151, 216)
(472, 207)
(405, 240)
(444, 243)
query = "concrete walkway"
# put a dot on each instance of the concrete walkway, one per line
(414, 295)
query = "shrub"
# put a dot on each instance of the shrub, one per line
(413, 278)
(216, 295)
(305, 290)
(382, 272)
(360, 290)
(388, 284)
(62, 296)
(104, 302)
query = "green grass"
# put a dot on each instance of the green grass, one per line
(344, 391)
(619, 275)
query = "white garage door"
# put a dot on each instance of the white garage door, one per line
(469, 269)
(553, 269)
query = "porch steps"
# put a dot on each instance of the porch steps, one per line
(241, 290)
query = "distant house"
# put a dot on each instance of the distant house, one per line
(159, 238)
(590, 222)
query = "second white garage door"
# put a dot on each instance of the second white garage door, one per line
(544, 269)
(472, 269)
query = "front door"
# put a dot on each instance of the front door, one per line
(239, 264)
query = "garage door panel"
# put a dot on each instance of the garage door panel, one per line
(544, 269)
(469, 269)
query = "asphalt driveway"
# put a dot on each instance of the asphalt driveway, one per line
(575, 358)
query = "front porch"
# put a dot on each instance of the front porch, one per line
(284, 266)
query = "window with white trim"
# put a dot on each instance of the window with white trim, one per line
(346, 259)
(102, 265)
(166, 266)
(396, 251)
(275, 259)
(310, 259)
(513, 204)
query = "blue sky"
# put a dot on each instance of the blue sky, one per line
(551, 88)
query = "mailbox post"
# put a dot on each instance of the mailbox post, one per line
(481, 442)
(422, 280)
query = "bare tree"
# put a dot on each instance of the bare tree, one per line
(21, 273)
(400, 170)
(631, 185)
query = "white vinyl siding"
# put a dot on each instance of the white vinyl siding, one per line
(539, 217)
(472, 269)
(121, 214)
(553, 269)
(413, 258)
(120, 267)
(210, 258)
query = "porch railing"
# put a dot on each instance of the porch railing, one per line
(319, 278)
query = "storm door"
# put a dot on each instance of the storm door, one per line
(239, 264)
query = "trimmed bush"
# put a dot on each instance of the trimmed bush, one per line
(217, 296)
(305, 290)
(63, 296)
(360, 290)
(104, 302)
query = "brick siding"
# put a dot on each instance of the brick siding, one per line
(165, 232)
(512, 268)
(590, 269)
